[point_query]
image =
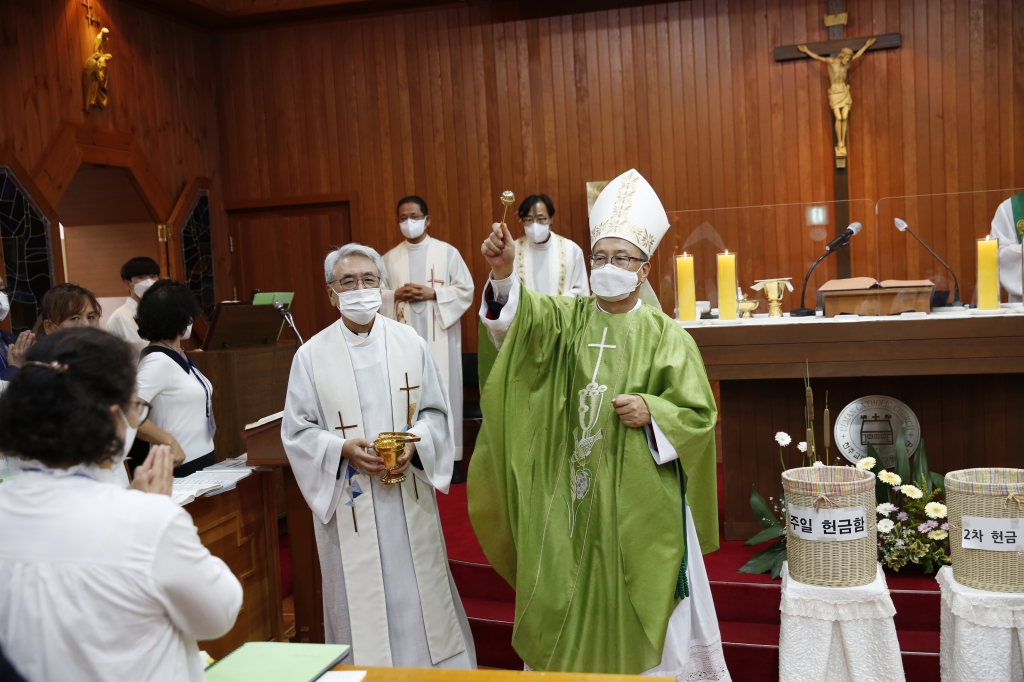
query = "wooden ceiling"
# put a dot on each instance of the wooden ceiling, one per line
(102, 195)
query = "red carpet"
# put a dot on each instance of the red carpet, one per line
(747, 605)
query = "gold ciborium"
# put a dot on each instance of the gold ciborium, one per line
(773, 290)
(747, 306)
(390, 445)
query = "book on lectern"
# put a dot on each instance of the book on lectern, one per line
(277, 662)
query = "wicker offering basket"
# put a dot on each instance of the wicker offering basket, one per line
(994, 494)
(847, 563)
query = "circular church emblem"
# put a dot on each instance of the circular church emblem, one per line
(875, 420)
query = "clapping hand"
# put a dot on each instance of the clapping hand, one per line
(16, 352)
(156, 474)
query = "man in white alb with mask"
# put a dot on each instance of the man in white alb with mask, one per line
(138, 276)
(386, 584)
(430, 289)
(546, 262)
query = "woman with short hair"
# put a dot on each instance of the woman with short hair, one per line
(97, 581)
(181, 396)
(66, 306)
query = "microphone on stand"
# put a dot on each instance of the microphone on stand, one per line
(837, 244)
(902, 226)
(286, 313)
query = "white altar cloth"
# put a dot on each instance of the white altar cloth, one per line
(982, 633)
(838, 634)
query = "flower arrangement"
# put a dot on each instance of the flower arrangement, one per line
(912, 526)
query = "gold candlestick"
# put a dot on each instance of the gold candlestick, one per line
(507, 198)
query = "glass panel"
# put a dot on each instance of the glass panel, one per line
(197, 254)
(774, 241)
(28, 259)
(948, 223)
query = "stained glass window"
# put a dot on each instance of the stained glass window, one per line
(28, 257)
(197, 254)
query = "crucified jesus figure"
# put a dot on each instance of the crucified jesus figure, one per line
(839, 98)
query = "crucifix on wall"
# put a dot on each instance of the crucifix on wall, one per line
(843, 52)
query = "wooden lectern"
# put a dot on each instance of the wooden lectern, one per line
(263, 443)
(247, 367)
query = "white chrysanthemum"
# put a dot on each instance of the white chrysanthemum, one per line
(935, 510)
(867, 463)
(818, 464)
(912, 491)
(802, 446)
(885, 508)
(938, 535)
(783, 439)
(885, 526)
(889, 477)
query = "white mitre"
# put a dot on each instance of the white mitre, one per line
(629, 209)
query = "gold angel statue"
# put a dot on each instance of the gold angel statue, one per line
(839, 98)
(96, 75)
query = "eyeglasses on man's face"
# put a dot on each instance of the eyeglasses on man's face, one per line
(351, 283)
(624, 262)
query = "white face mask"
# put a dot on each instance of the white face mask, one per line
(5, 305)
(537, 233)
(611, 283)
(359, 305)
(188, 332)
(412, 229)
(142, 287)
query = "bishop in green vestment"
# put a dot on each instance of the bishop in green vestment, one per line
(598, 416)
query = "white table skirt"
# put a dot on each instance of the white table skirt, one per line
(838, 634)
(982, 633)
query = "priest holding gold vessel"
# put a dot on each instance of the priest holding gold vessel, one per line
(361, 391)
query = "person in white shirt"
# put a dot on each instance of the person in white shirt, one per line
(137, 275)
(97, 582)
(546, 262)
(181, 396)
(1008, 228)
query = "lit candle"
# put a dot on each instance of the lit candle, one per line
(686, 296)
(988, 274)
(727, 286)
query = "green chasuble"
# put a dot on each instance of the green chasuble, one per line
(568, 503)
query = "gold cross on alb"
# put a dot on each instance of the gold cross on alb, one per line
(408, 399)
(343, 427)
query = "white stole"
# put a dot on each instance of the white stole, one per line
(556, 264)
(360, 553)
(436, 272)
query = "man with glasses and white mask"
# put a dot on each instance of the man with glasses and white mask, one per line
(433, 289)
(387, 588)
(547, 262)
(592, 485)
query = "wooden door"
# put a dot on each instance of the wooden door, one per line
(283, 249)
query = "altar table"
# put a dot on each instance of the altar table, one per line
(441, 675)
(959, 374)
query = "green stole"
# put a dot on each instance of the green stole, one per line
(568, 503)
(1017, 205)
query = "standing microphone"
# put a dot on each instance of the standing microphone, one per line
(837, 244)
(286, 313)
(902, 226)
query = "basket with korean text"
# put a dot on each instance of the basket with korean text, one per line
(986, 528)
(830, 520)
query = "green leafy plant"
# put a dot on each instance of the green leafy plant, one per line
(769, 559)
